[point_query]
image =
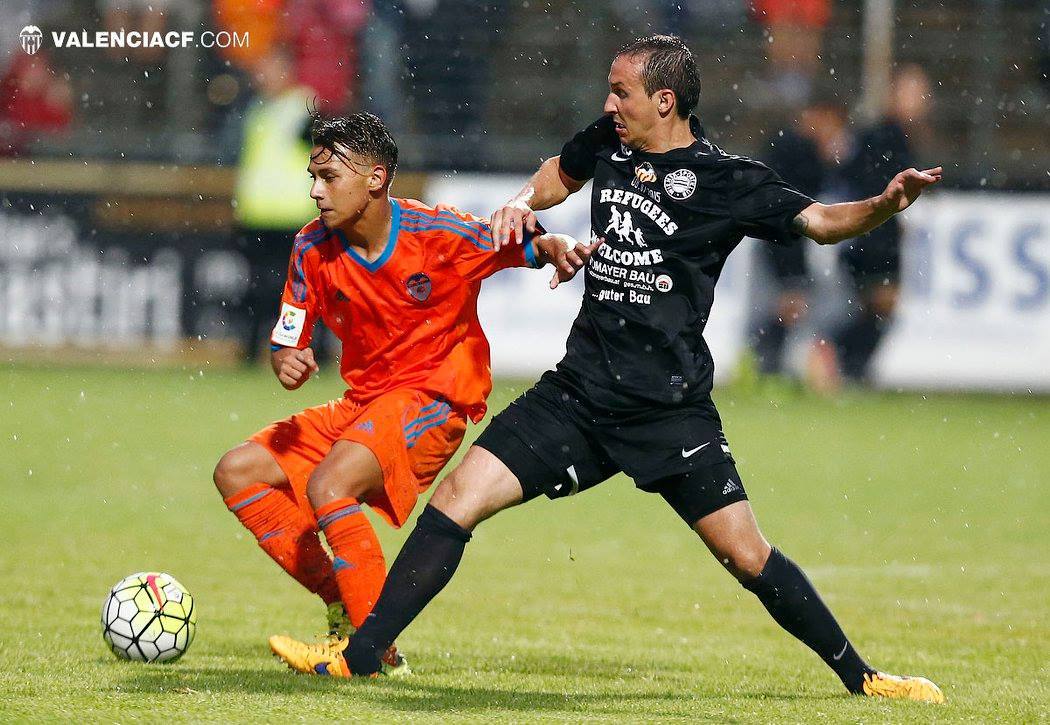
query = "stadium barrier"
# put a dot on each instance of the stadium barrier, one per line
(135, 258)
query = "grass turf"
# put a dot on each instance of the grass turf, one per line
(922, 521)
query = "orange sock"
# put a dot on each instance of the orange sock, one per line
(287, 535)
(360, 569)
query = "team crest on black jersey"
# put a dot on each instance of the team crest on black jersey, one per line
(645, 173)
(419, 286)
(680, 184)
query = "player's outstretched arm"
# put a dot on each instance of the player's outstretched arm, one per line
(293, 367)
(832, 223)
(565, 254)
(548, 187)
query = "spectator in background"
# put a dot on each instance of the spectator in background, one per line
(272, 200)
(792, 155)
(872, 262)
(448, 47)
(382, 63)
(142, 72)
(34, 101)
(796, 28)
(808, 154)
(147, 16)
(324, 37)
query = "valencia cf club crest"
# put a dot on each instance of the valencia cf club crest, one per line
(645, 173)
(31, 38)
(419, 286)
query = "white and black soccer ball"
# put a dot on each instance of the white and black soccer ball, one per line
(149, 617)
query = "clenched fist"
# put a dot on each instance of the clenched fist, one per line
(293, 367)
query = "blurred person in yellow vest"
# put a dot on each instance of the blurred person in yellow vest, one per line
(271, 200)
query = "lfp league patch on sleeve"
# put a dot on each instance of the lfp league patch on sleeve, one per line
(290, 325)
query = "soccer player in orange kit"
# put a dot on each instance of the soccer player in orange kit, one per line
(397, 281)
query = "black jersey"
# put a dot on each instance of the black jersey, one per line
(669, 222)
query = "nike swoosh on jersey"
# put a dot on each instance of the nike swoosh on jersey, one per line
(686, 454)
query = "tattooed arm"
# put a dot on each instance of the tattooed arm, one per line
(831, 223)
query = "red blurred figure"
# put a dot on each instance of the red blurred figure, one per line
(323, 37)
(34, 101)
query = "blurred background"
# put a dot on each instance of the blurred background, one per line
(148, 196)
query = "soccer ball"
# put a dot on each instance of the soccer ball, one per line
(149, 617)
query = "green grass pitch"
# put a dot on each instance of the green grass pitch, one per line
(923, 520)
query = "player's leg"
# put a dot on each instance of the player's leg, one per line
(479, 487)
(347, 477)
(476, 489)
(730, 531)
(733, 536)
(387, 454)
(257, 490)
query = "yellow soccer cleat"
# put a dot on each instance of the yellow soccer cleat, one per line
(879, 684)
(326, 657)
(321, 658)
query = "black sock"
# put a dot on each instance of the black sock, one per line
(791, 599)
(425, 565)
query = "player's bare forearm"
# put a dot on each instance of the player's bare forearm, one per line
(832, 223)
(548, 187)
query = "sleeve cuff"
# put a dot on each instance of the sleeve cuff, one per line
(275, 347)
(530, 253)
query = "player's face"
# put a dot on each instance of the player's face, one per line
(343, 188)
(635, 113)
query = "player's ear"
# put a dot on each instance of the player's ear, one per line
(665, 101)
(378, 177)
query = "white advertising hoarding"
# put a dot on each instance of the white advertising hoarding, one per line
(975, 305)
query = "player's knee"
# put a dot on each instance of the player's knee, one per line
(745, 562)
(233, 472)
(325, 486)
(454, 498)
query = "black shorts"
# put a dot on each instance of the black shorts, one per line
(557, 444)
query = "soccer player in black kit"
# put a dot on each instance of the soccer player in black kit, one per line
(632, 393)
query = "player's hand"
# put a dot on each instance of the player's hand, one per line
(906, 186)
(510, 222)
(293, 367)
(566, 254)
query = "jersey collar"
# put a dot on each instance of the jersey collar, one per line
(391, 242)
(696, 127)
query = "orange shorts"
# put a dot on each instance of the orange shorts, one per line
(412, 434)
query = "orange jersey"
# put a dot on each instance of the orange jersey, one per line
(409, 318)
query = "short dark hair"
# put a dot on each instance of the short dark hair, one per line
(670, 64)
(358, 133)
